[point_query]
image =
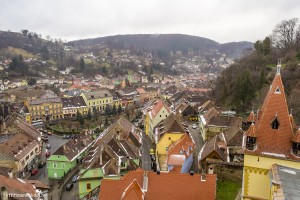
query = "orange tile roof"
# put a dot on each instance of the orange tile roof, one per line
(166, 186)
(175, 157)
(274, 142)
(251, 117)
(17, 186)
(251, 131)
(156, 107)
(133, 192)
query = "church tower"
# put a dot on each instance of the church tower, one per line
(271, 139)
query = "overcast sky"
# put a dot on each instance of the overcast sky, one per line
(220, 20)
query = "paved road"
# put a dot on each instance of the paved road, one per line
(195, 133)
(146, 146)
(73, 194)
(55, 142)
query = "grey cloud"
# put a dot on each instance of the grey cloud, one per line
(223, 21)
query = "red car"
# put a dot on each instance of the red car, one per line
(47, 154)
(34, 172)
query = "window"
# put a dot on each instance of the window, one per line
(167, 148)
(275, 124)
(166, 115)
(27, 157)
(123, 164)
(277, 91)
(36, 150)
(31, 153)
(54, 165)
(63, 165)
(169, 138)
(159, 115)
(250, 143)
(296, 149)
(88, 186)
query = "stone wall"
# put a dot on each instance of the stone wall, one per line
(228, 171)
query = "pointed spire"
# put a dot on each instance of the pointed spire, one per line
(278, 66)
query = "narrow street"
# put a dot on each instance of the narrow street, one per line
(146, 146)
(197, 138)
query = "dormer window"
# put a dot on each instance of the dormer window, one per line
(296, 149)
(277, 91)
(250, 143)
(275, 124)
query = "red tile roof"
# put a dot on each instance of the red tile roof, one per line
(133, 192)
(180, 150)
(166, 186)
(251, 117)
(251, 131)
(274, 142)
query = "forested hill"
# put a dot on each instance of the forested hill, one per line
(166, 42)
(243, 85)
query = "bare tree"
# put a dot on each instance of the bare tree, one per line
(76, 125)
(286, 34)
(69, 125)
(87, 124)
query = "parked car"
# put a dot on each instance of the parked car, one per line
(34, 172)
(48, 146)
(41, 164)
(74, 179)
(69, 186)
(152, 152)
(45, 139)
(49, 133)
(194, 126)
(47, 154)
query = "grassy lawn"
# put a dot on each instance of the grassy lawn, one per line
(227, 190)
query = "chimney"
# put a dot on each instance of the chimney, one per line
(65, 148)
(101, 151)
(10, 174)
(145, 181)
(158, 172)
(191, 173)
(203, 178)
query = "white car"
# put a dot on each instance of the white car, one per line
(194, 126)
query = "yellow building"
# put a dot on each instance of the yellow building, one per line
(271, 139)
(45, 108)
(73, 105)
(167, 132)
(154, 112)
(98, 100)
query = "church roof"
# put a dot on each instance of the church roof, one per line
(273, 128)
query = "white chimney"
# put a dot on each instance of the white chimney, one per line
(10, 174)
(145, 181)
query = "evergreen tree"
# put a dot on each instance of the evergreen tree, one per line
(81, 64)
(89, 114)
(119, 108)
(244, 91)
(114, 109)
(107, 110)
(80, 118)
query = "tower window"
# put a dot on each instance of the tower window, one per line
(250, 143)
(296, 149)
(275, 124)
